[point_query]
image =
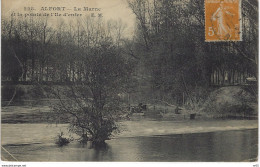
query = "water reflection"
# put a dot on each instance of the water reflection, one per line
(238, 145)
(216, 146)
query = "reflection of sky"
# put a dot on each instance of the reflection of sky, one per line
(215, 146)
(46, 133)
(112, 9)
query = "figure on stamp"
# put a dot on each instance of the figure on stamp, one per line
(221, 17)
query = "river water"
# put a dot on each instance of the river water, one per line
(146, 140)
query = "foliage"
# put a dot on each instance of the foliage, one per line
(170, 40)
(85, 57)
(90, 102)
(61, 141)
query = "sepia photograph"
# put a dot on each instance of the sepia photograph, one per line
(129, 81)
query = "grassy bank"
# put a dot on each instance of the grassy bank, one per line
(232, 102)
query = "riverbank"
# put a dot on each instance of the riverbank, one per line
(225, 140)
(47, 133)
(227, 102)
(39, 112)
(28, 136)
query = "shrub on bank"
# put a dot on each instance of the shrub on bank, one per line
(61, 141)
(231, 100)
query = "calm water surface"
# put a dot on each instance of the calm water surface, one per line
(144, 143)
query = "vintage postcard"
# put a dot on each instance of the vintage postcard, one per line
(129, 81)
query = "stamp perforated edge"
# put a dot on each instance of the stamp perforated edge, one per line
(240, 22)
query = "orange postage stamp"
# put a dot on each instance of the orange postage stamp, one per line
(222, 20)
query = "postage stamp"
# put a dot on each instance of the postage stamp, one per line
(223, 20)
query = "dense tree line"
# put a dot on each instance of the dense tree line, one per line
(170, 39)
(80, 63)
(169, 46)
(98, 67)
(33, 49)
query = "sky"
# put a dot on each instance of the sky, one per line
(110, 9)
